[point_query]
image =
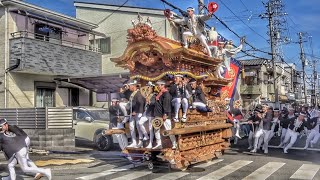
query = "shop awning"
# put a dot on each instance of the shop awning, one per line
(100, 84)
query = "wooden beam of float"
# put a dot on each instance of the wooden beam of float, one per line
(190, 130)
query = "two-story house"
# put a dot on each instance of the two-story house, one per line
(36, 47)
(257, 85)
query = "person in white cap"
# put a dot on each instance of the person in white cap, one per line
(136, 109)
(115, 122)
(197, 99)
(115, 112)
(221, 52)
(162, 109)
(275, 127)
(314, 135)
(263, 131)
(295, 127)
(148, 115)
(180, 97)
(14, 144)
(124, 94)
(195, 28)
(284, 123)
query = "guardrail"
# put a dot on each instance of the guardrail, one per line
(39, 118)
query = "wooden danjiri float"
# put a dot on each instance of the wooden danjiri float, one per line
(205, 135)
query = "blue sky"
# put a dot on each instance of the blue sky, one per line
(303, 16)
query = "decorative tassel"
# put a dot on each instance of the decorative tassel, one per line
(243, 74)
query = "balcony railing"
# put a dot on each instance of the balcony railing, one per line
(41, 37)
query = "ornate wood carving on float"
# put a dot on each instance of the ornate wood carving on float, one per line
(150, 57)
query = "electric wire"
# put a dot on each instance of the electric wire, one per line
(113, 12)
(243, 21)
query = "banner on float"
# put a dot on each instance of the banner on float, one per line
(230, 90)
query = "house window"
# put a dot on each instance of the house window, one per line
(102, 97)
(103, 44)
(45, 94)
(249, 80)
(45, 97)
(46, 32)
(74, 97)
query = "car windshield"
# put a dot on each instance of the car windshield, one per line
(99, 114)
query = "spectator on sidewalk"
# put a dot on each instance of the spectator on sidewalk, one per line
(14, 142)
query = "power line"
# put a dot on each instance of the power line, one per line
(244, 5)
(243, 21)
(113, 12)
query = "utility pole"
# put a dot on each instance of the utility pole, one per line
(275, 14)
(303, 60)
(315, 75)
(271, 32)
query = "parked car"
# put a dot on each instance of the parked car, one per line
(89, 123)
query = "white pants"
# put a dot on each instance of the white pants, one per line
(260, 132)
(167, 126)
(271, 134)
(21, 158)
(123, 107)
(250, 139)
(313, 137)
(283, 135)
(142, 121)
(292, 136)
(236, 130)
(198, 104)
(176, 102)
(122, 140)
(30, 162)
(199, 36)
(134, 122)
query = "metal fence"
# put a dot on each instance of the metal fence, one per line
(39, 118)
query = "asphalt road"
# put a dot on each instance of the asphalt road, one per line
(237, 163)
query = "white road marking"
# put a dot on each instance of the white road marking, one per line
(177, 175)
(265, 171)
(226, 170)
(306, 171)
(133, 175)
(107, 172)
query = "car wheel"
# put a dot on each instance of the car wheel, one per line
(103, 142)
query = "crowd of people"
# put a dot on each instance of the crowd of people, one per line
(263, 123)
(163, 100)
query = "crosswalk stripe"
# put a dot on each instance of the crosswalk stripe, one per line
(107, 172)
(177, 175)
(127, 167)
(226, 170)
(306, 171)
(133, 175)
(172, 176)
(204, 165)
(265, 171)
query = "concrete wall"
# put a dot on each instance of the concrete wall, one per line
(52, 139)
(116, 26)
(2, 55)
(41, 57)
